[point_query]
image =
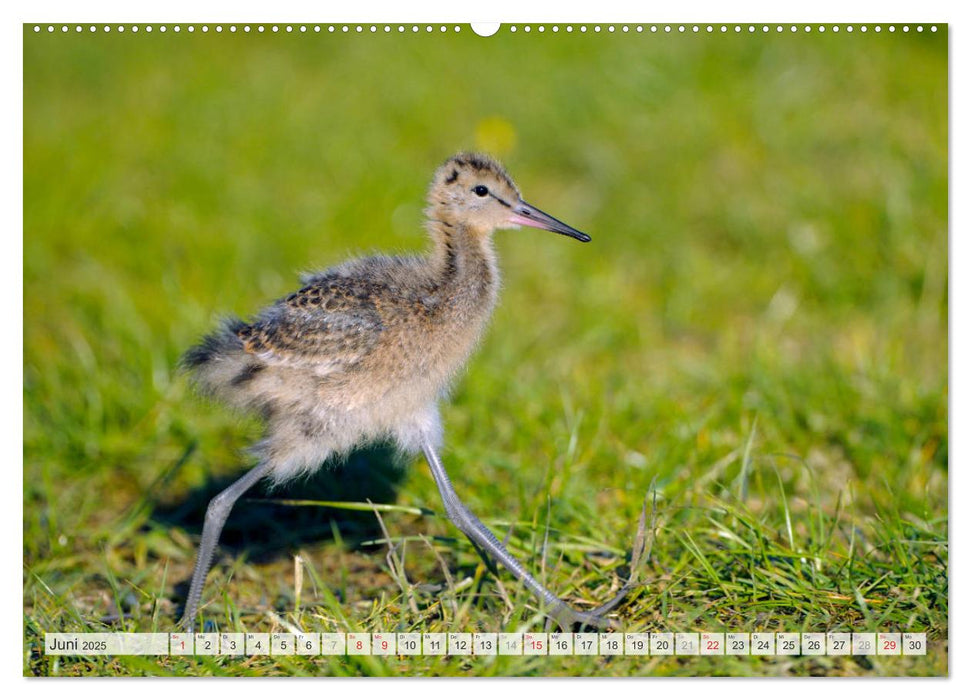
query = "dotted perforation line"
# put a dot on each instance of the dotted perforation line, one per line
(717, 28)
(428, 28)
(251, 28)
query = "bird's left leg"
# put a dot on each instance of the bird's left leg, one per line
(216, 515)
(482, 537)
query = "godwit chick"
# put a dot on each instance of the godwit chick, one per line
(365, 351)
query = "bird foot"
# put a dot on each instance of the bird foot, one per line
(570, 620)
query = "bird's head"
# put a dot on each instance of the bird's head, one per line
(474, 191)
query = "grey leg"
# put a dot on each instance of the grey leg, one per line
(565, 616)
(216, 514)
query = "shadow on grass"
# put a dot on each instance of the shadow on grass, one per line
(266, 531)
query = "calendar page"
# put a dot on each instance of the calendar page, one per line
(518, 349)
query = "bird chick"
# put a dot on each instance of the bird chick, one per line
(364, 351)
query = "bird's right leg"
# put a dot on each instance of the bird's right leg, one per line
(216, 514)
(473, 528)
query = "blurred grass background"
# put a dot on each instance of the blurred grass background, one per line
(759, 327)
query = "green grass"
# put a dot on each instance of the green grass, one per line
(759, 329)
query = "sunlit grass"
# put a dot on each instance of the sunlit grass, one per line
(759, 329)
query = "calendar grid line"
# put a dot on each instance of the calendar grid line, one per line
(488, 644)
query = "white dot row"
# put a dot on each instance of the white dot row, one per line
(666, 28)
(751, 28)
(247, 28)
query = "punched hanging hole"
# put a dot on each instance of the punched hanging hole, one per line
(486, 28)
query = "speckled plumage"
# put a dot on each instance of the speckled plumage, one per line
(366, 349)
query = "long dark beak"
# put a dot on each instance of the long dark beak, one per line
(524, 214)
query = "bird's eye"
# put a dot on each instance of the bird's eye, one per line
(481, 190)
